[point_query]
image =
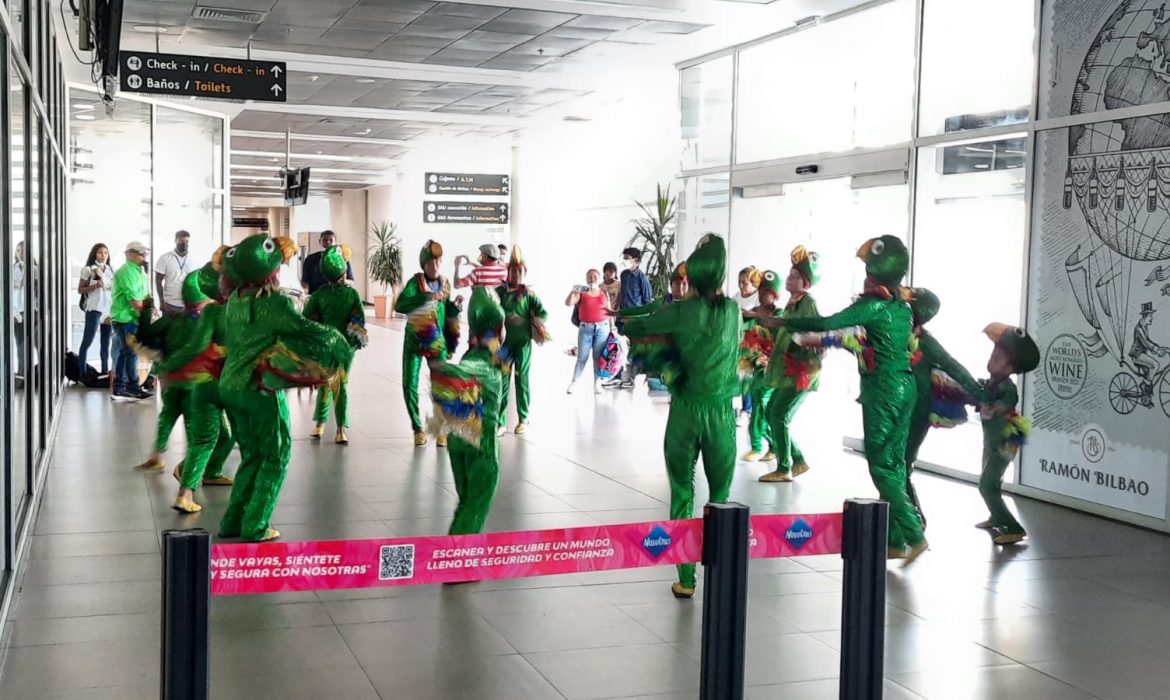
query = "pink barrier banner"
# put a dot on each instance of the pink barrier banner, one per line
(272, 567)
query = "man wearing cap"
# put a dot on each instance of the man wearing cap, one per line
(488, 273)
(1145, 352)
(169, 273)
(130, 290)
(312, 278)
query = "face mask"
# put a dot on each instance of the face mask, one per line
(593, 285)
(181, 248)
(629, 264)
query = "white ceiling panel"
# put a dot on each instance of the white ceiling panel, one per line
(527, 22)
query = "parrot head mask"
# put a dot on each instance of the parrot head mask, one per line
(335, 262)
(886, 260)
(924, 304)
(255, 261)
(707, 265)
(193, 295)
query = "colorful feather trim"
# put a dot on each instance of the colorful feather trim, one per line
(206, 367)
(802, 373)
(150, 352)
(851, 339)
(948, 401)
(458, 400)
(424, 324)
(540, 334)
(357, 334)
(281, 368)
(754, 351)
(658, 357)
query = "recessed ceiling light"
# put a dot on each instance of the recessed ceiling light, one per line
(314, 78)
(364, 81)
(364, 132)
(85, 117)
(150, 29)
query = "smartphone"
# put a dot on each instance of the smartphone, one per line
(581, 288)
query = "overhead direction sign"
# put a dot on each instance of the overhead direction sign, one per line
(465, 213)
(203, 76)
(468, 184)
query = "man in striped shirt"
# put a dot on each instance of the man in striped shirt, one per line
(488, 273)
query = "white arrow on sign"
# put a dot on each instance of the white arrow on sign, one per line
(277, 70)
(276, 90)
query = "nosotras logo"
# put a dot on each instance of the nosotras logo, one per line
(656, 542)
(799, 533)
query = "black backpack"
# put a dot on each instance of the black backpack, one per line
(86, 376)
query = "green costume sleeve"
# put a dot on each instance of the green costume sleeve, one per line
(202, 331)
(934, 353)
(312, 308)
(858, 313)
(324, 344)
(654, 319)
(641, 311)
(412, 296)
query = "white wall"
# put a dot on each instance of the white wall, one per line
(348, 219)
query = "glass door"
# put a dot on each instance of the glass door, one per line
(833, 219)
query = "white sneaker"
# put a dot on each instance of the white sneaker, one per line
(597, 388)
(570, 389)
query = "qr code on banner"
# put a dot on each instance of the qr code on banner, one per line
(397, 562)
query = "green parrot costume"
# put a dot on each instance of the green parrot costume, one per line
(431, 317)
(941, 385)
(338, 306)
(793, 372)
(704, 330)
(467, 399)
(271, 347)
(1004, 429)
(192, 361)
(756, 350)
(524, 317)
(887, 383)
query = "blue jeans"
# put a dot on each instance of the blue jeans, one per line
(591, 338)
(93, 321)
(125, 360)
(745, 403)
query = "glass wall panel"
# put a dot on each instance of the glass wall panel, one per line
(34, 279)
(110, 159)
(187, 168)
(846, 84)
(830, 218)
(705, 94)
(970, 219)
(976, 64)
(704, 206)
(21, 301)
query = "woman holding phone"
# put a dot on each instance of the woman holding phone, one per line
(593, 311)
(95, 288)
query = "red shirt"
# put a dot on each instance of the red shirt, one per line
(486, 276)
(591, 309)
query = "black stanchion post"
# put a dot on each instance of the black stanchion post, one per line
(725, 560)
(863, 610)
(186, 607)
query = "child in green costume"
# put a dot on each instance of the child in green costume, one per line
(523, 323)
(338, 306)
(887, 384)
(467, 400)
(704, 330)
(793, 370)
(271, 347)
(756, 350)
(941, 386)
(191, 365)
(426, 301)
(1004, 429)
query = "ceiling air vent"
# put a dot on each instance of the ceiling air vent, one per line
(227, 14)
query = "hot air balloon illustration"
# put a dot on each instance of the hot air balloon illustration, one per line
(1118, 175)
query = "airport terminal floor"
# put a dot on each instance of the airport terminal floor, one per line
(1081, 611)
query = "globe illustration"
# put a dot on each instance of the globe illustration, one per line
(1119, 171)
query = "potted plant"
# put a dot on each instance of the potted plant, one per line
(384, 264)
(654, 234)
